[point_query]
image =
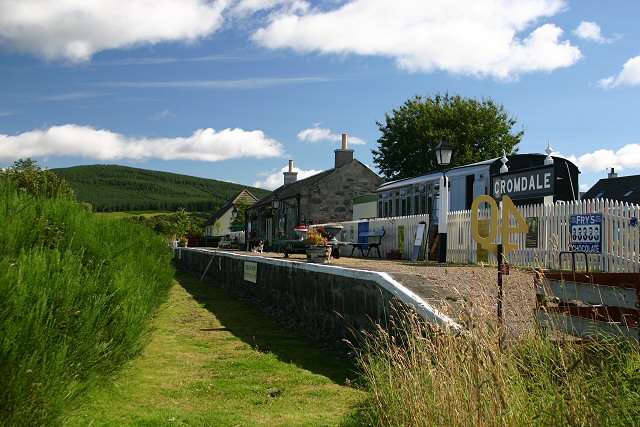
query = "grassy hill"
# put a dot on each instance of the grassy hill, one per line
(120, 188)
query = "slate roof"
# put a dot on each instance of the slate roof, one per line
(291, 190)
(624, 189)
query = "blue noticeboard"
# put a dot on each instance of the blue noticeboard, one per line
(586, 233)
(363, 227)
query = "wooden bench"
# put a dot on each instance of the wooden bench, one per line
(373, 239)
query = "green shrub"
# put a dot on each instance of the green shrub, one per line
(77, 295)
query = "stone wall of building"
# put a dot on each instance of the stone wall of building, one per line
(331, 199)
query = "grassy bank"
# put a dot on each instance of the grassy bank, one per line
(77, 295)
(214, 361)
(436, 379)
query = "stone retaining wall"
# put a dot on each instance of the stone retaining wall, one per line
(320, 300)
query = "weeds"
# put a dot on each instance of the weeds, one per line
(77, 293)
(439, 379)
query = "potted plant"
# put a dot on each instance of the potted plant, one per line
(317, 249)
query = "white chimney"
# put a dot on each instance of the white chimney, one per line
(291, 176)
(344, 155)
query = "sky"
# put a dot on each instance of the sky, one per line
(233, 89)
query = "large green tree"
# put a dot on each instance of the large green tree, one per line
(478, 129)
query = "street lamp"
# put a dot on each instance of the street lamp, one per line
(444, 150)
(234, 213)
(275, 203)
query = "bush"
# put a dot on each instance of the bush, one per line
(77, 295)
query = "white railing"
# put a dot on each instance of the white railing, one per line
(393, 227)
(620, 236)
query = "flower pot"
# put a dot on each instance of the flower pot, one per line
(318, 254)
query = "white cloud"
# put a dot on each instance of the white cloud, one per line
(84, 141)
(276, 179)
(164, 114)
(318, 134)
(585, 187)
(629, 76)
(466, 37)
(591, 31)
(628, 157)
(250, 7)
(77, 29)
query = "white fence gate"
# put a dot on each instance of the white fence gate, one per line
(390, 241)
(620, 236)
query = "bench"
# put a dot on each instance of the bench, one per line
(373, 239)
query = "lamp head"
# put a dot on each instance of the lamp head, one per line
(444, 150)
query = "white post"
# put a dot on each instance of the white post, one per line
(443, 213)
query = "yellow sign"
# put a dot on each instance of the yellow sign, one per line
(483, 229)
(508, 210)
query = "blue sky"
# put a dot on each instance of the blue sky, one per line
(232, 89)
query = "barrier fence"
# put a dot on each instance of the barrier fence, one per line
(620, 238)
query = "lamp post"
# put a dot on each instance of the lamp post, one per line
(275, 204)
(444, 150)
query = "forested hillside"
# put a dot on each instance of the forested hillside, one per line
(121, 188)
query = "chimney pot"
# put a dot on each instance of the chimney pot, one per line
(612, 174)
(343, 155)
(291, 176)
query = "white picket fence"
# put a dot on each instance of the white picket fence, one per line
(390, 239)
(620, 239)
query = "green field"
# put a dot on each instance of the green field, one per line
(112, 188)
(214, 361)
(120, 215)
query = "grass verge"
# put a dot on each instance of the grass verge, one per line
(214, 361)
(77, 295)
(420, 378)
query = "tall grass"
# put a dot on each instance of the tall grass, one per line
(77, 293)
(432, 378)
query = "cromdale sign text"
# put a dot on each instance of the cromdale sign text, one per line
(524, 184)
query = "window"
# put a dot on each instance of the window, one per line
(630, 192)
(600, 194)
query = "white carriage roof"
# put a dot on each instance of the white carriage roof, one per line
(453, 172)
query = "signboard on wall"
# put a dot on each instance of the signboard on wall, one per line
(531, 239)
(418, 244)
(586, 233)
(251, 271)
(536, 182)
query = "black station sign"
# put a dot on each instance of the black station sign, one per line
(524, 184)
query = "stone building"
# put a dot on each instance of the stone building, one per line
(321, 198)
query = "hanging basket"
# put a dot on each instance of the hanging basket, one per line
(318, 254)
